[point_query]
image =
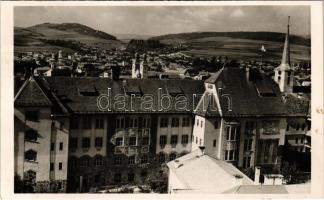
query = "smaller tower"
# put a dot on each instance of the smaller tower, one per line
(284, 75)
(139, 67)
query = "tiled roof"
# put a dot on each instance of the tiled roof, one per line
(68, 89)
(242, 96)
(31, 94)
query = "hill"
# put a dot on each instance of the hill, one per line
(70, 36)
(238, 44)
(143, 45)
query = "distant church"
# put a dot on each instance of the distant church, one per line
(284, 75)
(139, 67)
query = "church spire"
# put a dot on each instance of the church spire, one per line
(285, 60)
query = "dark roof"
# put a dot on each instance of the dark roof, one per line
(68, 89)
(31, 94)
(243, 96)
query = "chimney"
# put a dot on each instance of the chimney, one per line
(257, 174)
(201, 151)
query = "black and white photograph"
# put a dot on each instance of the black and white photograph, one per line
(162, 99)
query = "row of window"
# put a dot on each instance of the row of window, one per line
(174, 140)
(60, 146)
(200, 141)
(202, 123)
(87, 123)
(133, 122)
(133, 141)
(297, 127)
(232, 133)
(175, 122)
(60, 166)
(86, 141)
(130, 176)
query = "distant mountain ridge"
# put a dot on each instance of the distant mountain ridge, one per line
(265, 36)
(51, 36)
(76, 27)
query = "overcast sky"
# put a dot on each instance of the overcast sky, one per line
(159, 20)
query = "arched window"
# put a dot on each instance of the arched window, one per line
(172, 156)
(31, 155)
(31, 135)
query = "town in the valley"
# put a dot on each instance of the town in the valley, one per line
(246, 128)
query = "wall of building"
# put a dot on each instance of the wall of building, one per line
(42, 146)
(168, 131)
(60, 134)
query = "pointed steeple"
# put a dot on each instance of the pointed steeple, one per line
(286, 51)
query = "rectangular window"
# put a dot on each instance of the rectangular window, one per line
(227, 130)
(52, 146)
(118, 160)
(249, 127)
(174, 139)
(98, 142)
(60, 166)
(52, 167)
(131, 160)
(231, 132)
(146, 122)
(163, 140)
(248, 144)
(132, 141)
(230, 155)
(145, 140)
(133, 122)
(200, 141)
(74, 124)
(120, 122)
(61, 146)
(214, 143)
(144, 159)
(131, 177)
(185, 121)
(86, 142)
(99, 123)
(119, 141)
(216, 124)
(164, 122)
(86, 123)
(73, 143)
(197, 122)
(201, 123)
(175, 122)
(246, 161)
(184, 139)
(32, 115)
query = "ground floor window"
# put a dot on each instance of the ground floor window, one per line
(230, 155)
(131, 177)
(117, 178)
(246, 161)
(172, 156)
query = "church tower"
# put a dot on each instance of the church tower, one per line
(284, 75)
(139, 67)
